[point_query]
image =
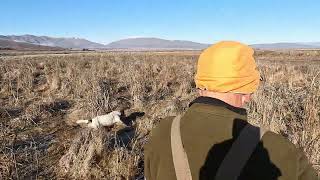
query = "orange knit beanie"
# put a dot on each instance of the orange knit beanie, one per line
(227, 67)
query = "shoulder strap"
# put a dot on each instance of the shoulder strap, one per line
(180, 158)
(240, 152)
(232, 164)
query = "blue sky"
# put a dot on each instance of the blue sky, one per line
(206, 21)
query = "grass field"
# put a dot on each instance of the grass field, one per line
(42, 95)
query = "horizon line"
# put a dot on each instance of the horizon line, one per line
(139, 37)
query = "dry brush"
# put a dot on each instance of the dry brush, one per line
(41, 96)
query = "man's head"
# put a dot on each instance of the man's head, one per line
(227, 71)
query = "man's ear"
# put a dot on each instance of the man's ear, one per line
(200, 92)
(246, 98)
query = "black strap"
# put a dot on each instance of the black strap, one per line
(239, 153)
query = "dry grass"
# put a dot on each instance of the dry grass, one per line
(42, 95)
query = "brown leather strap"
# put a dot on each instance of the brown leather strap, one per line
(180, 158)
(239, 153)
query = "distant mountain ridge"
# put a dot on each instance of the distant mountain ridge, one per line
(155, 43)
(70, 43)
(143, 43)
(130, 43)
(314, 45)
(13, 45)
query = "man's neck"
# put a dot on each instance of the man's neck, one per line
(229, 98)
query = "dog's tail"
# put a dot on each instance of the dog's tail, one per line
(82, 121)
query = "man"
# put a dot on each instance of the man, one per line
(213, 139)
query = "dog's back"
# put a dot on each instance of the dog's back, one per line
(103, 120)
(109, 119)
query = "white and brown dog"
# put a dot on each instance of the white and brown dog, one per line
(103, 120)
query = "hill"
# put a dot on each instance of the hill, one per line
(69, 43)
(13, 45)
(154, 43)
(287, 46)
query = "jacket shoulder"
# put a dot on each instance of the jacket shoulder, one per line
(289, 158)
(271, 139)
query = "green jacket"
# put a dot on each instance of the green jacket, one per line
(208, 129)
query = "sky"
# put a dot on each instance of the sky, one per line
(205, 21)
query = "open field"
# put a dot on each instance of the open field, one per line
(41, 97)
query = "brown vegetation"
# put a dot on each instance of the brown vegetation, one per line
(41, 96)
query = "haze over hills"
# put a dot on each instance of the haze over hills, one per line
(143, 43)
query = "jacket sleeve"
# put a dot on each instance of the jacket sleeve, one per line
(306, 171)
(152, 148)
(147, 156)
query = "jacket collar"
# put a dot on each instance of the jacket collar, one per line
(217, 102)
